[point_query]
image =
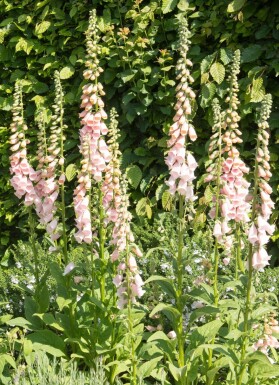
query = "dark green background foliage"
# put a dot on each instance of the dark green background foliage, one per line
(139, 52)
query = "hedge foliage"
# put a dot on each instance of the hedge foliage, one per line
(139, 40)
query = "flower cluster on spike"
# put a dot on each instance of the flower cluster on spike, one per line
(128, 280)
(260, 230)
(234, 205)
(49, 157)
(268, 340)
(181, 162)
(111, 186)
(23, 175)
(93, 147)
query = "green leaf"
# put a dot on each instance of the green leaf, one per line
(251, 53)
(217, 71)
(21, 322)
(168, 5)
(148, 211)
(170, 311)
(167, 201)
(47, 341)
(208, 310)
(264, 370)
(42, 27)
(165, 283)
(70, 172)
(146, 368)
(226, 55)
(257, 91)
(206, 62)
(210, 329)
(24, 45)
(134, 175)
(141, 207)
(235, 5)
(67, 72)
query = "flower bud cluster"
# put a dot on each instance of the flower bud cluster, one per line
(128, 280)
(93, 147)
(24, 176)
(232, 134)
(111, 185)
(260, 231)
(180, 162)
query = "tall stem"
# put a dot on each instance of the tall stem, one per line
(62, 188)
(250, 274)
(33, 244)
(130, 320)
(102, 238)
(180, 333)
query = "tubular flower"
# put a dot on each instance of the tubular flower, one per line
(49, 157)
(225, 161)
(260, 230)
(268, 340)
(93, 147)
(111, 185)
(181, 162)
(24, 176)
(128, 281)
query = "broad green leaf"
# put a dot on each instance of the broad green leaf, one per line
(264, 370)
(168, 5)
(141, 207)
(257, 91)
(207, 331)
(217, 71)
(208, 310)
(175, 371)
(47, 341)
(146, 368)
(67, 72)
(160, 190)
(70, 172)
(226, 55)
(21, 322)
(235, 5)
(165, 283)
(42, 27)
(158, 336)
(206, 63)
(251, 53)
(62, 302)
(170, 311)
(24, 45)
(134, 175)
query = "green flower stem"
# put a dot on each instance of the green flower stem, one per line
(180, 332)
(102, 238)
(130, 320)
(32, 226)
(62, 188)
(238, 261)
(216, 250)
(247, 310)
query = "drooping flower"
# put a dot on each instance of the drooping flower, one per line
(261, 230)
(24, 176)
(93, 147)
(128, 280)
(179, 160)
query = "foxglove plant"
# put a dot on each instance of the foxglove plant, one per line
(24, 176)
(233, 202)
(260, 230)
(94, 150)
(50, 158)
(181, 163)
(93, 147)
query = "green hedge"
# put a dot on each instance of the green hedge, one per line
(138, 56)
